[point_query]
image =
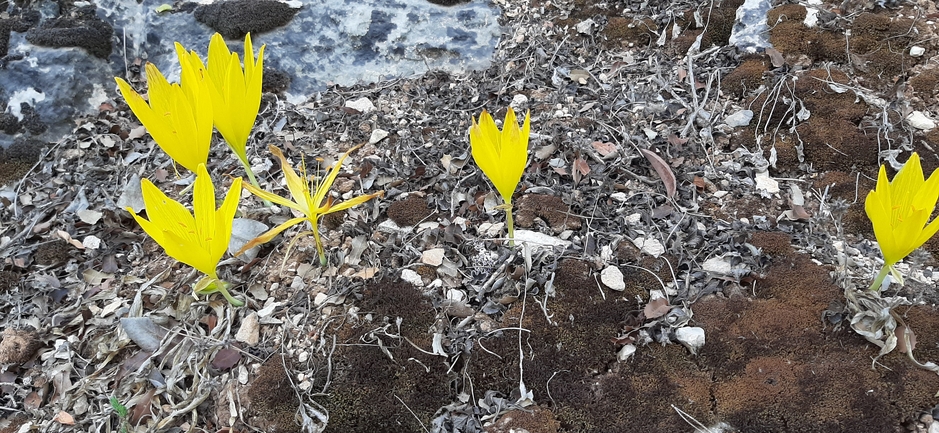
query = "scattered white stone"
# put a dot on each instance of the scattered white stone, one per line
(490, 230)
(811, 17)
(249, 332)
(89, 216)
(717, 265)
(619, 196)
(362, 104)
(612, 277)
(649, 246)
(919, 120)
(432, 257)
(320, 298)
(585, 27)
(455, 294)
(243, 230)
(519, 101)
(624, 353)
(691, 337)
(917, 51)
(765, 182)
(91, 242)
(539, 240)
(389, 226)
(377, 135)
(740, 118)
(410, 276)
(633, 218)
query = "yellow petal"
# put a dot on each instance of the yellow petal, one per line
(270, 234)
(323, 187)
(297, 186)
(273, 198)
(353, 202)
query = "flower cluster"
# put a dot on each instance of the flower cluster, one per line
(180, 118)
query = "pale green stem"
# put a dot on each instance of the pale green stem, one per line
(251, 177)
(319, 243)
(879, 280)
(511, 224)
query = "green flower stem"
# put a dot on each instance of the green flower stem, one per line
(879, 281)
(252, 178)
(319, 246)
(510, 223)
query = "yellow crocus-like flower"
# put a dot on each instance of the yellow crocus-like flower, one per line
(501, 155)
(899, 211)
(179, 116)
(236, 94)
(308, 199)
(198, 239)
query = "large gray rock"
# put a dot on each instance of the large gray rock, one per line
(325, 42)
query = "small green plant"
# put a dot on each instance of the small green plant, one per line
(122, 412)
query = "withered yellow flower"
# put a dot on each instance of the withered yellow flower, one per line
(899, 211)
(198, 239)
(309, 198)
(178, 116)
(236, 94)
(502, 156)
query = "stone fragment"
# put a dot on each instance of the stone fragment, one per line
(362, 104)
(920, 121)
(249, 332)
(612, 277)
(740, 118)
(691, 337)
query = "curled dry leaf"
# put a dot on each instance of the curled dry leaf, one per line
(663, 170)
(604, 149)
(776, 57)
(656, 308)
(64, 418)
(904, 335)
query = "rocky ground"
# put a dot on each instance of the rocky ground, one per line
(657, 212)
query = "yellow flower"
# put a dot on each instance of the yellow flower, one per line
(179, 116)
(236, 94)
(308, 199)
(502, 156)
(899, 211)
(197, 240)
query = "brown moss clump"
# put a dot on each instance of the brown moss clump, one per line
(620, 31)
(773, 244)
(18, 345)
(789, 35)
(549, 208)
(746, 77)
(370, 392)
(8, 280)
(831, 137)
(273, 399)
(883, 43)
(925, 84)
(410, 211)
(532, 420)
(18, 159)
(719, 26)
(52, 253)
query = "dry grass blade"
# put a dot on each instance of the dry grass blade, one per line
(663, 170)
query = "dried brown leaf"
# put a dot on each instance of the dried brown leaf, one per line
(903, 333)
(663, 170)
(32, 401)
(142, 408)
(776, 57)
(64, 418)
(656, 308)
(604, 149)
(226, 359)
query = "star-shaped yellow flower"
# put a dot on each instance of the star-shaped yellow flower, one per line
(179, 116)
(501, 155)
(198, 239)
(899, 211)
(308, 199)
